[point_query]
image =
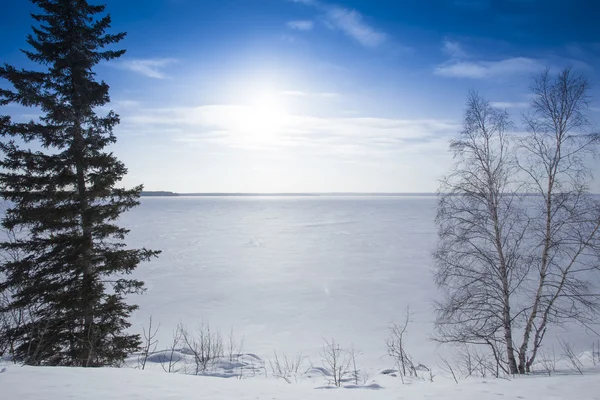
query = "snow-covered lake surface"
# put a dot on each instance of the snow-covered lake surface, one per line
(285, 272)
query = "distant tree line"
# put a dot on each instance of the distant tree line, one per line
(146, 193)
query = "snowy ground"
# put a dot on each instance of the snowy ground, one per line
(50, 383)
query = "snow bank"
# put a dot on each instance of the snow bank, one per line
(54, 383)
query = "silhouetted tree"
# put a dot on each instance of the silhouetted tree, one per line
(60, 182)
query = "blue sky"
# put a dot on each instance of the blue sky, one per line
(310, 95)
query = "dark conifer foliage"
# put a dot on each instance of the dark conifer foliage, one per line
(61, 184)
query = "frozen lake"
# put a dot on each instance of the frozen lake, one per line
(284, 272)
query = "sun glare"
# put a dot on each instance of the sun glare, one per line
(262, 117)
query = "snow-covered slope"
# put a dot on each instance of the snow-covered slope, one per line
(49, 383)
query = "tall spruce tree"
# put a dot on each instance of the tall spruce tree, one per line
(60, 182)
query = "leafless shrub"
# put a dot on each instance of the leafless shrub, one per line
(149, 343)
(466, 363)
(485, 365)
(365, 377)
(286, 367)
(447, 367)
(353, 354)
(234, 347)
(234, 351)
(172, 359)
(596, 352)
(548, 361)
(568, 352)
(396, 347)
(205, 344)
(475, 361)
(336, 361)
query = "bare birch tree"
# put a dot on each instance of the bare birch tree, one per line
(565, 217)
(519, 232)
(481, 231)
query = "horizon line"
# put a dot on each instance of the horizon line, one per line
(157, 193)
(165, 193)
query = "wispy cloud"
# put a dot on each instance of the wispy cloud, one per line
(237, 126)
(152, 68)
(488, 69)
(509, 104)
(301, 25)
(125, 103)
(348, 21)
(352, 23)
(300, 93)
(453, 49)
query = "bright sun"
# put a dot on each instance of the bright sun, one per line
(262, 118)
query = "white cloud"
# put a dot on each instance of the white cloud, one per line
(307, 2)
(237, 126)
(152, 68)
(509, 104)
(125, 103)
(352, 24)
(453, 49)
(300, 93)
(348, 21)
(301, 25)
(487, 69)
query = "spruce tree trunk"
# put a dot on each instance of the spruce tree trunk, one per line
(87, 287)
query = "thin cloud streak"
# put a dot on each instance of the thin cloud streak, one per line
(152, 68)
(509, 104)
(301, 25)
(352, 23)
(300, 93)
(348, 21)
(488, 69)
